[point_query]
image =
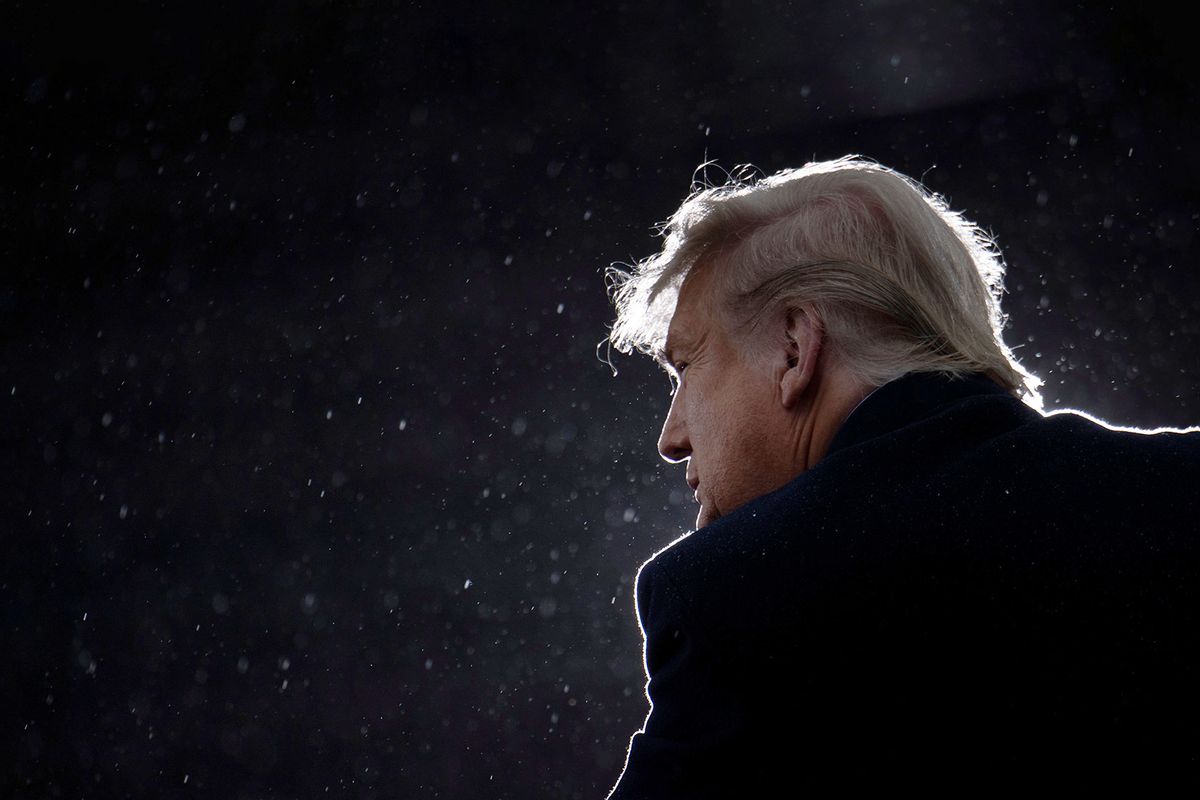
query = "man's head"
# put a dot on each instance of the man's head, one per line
(747, 422)
(786, 300)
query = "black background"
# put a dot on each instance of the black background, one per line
(314, 482)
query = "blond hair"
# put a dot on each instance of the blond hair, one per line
(900, 282)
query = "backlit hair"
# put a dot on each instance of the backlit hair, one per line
(900, 282)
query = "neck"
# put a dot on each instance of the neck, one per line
(834, 395)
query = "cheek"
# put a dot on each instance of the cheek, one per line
(746, 436)
(728, 415)
(732, 428)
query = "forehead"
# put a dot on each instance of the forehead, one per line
(692, 310)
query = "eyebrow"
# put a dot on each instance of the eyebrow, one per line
(664, 354)
(659, 354)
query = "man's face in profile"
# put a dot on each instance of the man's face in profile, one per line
(726, 418)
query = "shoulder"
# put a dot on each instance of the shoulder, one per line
(987, 480)
(1074, 449)
(1183, 443)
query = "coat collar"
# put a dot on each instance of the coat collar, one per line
(907, 399)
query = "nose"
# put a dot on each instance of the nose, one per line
(673, 444)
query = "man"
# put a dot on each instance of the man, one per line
(904, 575)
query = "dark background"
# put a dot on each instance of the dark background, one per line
(313, 482)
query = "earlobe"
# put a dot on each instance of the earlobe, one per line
(803, 338)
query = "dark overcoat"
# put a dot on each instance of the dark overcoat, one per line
(963, 596)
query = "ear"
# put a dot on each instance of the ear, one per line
(804, 336)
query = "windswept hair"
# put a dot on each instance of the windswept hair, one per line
(900, 282)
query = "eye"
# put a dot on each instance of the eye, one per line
(677, 375)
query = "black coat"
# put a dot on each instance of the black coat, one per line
(961, 596)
